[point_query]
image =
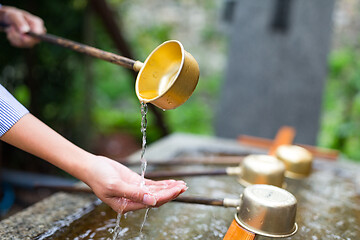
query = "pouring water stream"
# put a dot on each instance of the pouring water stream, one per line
(144, 110)
(116, 230)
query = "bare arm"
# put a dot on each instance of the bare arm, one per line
(110, 180)
(33, 136)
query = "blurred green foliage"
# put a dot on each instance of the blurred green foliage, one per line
(82, 99)
(43, 78)
(341, 110)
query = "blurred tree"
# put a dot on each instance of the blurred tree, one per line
(46, 78)
(59, 85)
(81, 97)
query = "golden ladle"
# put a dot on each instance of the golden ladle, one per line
(166, 79)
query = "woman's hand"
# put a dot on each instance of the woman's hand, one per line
(112, 182)
(119, 187)
(20, 22)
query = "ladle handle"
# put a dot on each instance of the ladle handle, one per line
(82, 48)
(200, 200)
(235, 231)
(64, 188)
(173, 174)
(82, 189)
(223, 160)
(284, 136)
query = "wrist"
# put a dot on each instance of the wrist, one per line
(2, 11)
(78, 163)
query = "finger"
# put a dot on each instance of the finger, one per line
(164, 183)
(14, 37)
(19, 39)
(162, 195)
(16, 19)
(36, 24)
(161, 182)
(135, 193)
(122, 205)
(27, 41)
(155, 190)
(132, 206)
(166, 196)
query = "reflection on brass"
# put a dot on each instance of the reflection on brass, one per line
(267, 211)
(297, 160)
(262, 169)
(169, 76)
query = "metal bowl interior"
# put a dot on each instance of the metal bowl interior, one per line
(160, 71)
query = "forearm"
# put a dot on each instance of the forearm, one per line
(33, 136)
(110, 180)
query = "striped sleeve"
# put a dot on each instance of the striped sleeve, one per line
(10, 110)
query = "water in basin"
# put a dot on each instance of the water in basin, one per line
(328, 208)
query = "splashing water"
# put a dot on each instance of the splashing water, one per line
(143, 223)
(117, 228)
(116, 231)
(123, 201)
(144, 110)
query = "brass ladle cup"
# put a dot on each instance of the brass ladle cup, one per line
(169, 76)
(166, 79)
(264, 210)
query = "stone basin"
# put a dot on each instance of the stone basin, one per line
(328, 203)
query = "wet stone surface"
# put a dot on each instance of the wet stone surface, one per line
(328, 208)
(171, 221)
(328, 202)
(54, 212)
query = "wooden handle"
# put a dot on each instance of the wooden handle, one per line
(222, 160)
(64, 188)
(200, 200)
(236, 232)
(82, 48)
(173, 174)
(284, 136)
(265, 143)
(84, 189)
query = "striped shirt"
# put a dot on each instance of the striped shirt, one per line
(10, 110)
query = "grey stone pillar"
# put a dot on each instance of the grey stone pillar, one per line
(276, 69)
